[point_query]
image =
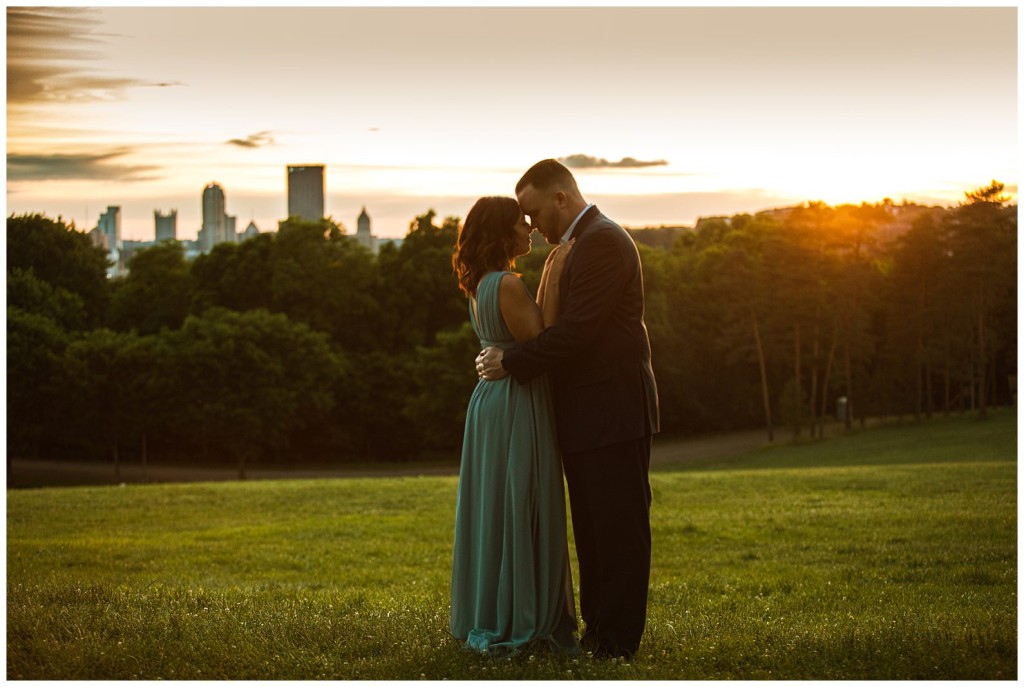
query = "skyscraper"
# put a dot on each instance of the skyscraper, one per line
(306, 192)
(108, 234)
(363, 235)
(166, 225)
(218, 226)
(110, 224)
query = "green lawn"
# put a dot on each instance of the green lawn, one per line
(886, 554)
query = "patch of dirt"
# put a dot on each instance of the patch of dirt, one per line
(47, 473)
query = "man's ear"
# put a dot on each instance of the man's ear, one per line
(561, 199)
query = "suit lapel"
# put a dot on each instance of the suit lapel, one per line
(585, 221)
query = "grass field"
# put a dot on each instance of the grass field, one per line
(887, 554)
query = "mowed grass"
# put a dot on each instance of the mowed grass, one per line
(885, 554)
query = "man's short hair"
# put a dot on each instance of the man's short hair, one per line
(546, 175)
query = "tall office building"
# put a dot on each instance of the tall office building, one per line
(108, 235)
(363, 235)
(218, 226)
(166, 225)
(213, 217)
(110, 224)
(306, 192)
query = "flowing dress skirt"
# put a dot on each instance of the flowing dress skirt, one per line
(510, 571)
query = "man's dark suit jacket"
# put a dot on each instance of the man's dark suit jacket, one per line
(598, 354)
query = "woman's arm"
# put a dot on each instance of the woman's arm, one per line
(521, 314)
(600, 275)
(549, 292)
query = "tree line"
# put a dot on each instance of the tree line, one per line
(302, 347)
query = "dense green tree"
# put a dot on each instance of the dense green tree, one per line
(952, 277)
(740, 275)
(31, 294)
(855, 296)
(802, 289)
(156, 293)
(982, 243)
(303, 346)
(919, 308)
(323, 278)
(373, 407)
(247, 381)
(657, 237)
(60, 256)
(444, 379)
(109, 380)
(686, 351)
(234, 275)
(418, 289)
(310, 271)
(35, 349)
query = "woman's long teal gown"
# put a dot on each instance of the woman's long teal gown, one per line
(510, 570)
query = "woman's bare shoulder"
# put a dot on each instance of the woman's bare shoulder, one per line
(511, 282)
(521, 313)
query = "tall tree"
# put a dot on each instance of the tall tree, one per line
(27, 292)
(742, 274)
(61, 256)
(35, 350)
(417, 288)
(857, 279)
(234, 275)
(320, 277)
(248, 380)
(156, 293)
(444, 380)
(921, 306)
(983, 246)
(108, 378)
(804, 287)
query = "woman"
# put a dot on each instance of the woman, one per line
(510, 570)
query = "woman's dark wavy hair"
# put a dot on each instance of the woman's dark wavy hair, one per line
(486, 241)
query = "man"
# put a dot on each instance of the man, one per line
(606, 402)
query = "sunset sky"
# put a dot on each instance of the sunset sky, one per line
(721, 110)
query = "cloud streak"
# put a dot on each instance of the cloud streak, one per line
(46, 51)
(257, 140)
(30, 167)
(580, 161)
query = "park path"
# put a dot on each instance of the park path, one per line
(45, 473)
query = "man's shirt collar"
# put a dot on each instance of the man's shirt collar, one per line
(568, 232)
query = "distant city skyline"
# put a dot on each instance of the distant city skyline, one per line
(683, 112)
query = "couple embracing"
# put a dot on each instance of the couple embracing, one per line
(565, 383)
